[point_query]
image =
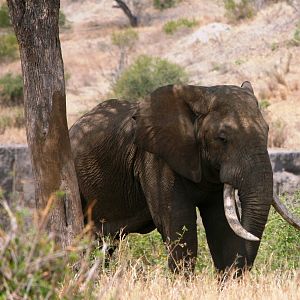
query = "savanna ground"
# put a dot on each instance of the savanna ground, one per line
(215, 49)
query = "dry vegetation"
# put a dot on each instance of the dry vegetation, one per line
(263, 49)
(33, 267)
(214, 50)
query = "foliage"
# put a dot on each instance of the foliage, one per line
(296, 36)
(145, 75)
(236, 11)
(264, 104)
(62, 18)
(13, 117)
(171, 26)
(33, 267)
(4, 16)
(125, 38)
(125, 41)
(164, 4)
(239, 62)
(11, 90)
(277, 133)
(8, 46)
(279, 250)
(280, 247)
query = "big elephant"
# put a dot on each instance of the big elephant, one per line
(151, 164)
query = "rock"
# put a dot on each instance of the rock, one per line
(212, 31)
(16, 180)
(7, 160)
(286, 168)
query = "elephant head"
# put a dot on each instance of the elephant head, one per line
(219, 135)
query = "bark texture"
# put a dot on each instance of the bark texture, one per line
(36, 26)
(132, 18)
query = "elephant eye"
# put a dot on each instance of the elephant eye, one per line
(222, 138)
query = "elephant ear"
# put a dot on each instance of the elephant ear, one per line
(164, 126)
(247, 85)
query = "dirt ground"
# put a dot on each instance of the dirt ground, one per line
(216, 51)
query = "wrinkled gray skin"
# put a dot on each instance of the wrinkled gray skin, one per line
(151, 164)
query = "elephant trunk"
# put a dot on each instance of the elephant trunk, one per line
(256, 196)
(254, 182)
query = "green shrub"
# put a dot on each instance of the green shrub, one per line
(12, 118)
(296, 36)
(164, 4)
(236, 11)
(280, 246)
(145, 75)
(171, 26)
(4, 16)
(62, 20)
(32, 266)
(149, 247)
(264, 104)
(11, 90)
(8, 46)
(125, 38)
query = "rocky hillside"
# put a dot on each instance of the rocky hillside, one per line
(261, 49)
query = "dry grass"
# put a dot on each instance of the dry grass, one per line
(155, 285)
(13, 136)
(33, 267)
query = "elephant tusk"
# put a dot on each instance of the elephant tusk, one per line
(238, 204)
(231, 215)
(284, 212)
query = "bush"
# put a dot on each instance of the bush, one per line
(277, 134)
(238, 11)
(164, 4)
(171, 26)
(33, 267)
(8, 46)
(12, 118)
(152, 251)
(280, 246)
(148, 247)
(11, 90)
(264, 104)
(145, 75)
(4, 16)
(62, 20)
(125, 38)
(296, 36)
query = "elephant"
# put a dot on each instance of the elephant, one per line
(151, 164)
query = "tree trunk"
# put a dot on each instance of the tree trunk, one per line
(132, 18)
(36, 27)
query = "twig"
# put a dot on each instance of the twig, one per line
(90, 275)
(13, 230)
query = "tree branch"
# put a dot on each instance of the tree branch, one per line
(132, 18)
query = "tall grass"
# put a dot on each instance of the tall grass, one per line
(33, 267)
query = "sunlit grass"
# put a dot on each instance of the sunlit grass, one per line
(33, 267)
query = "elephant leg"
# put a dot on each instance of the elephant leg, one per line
(227, 249)
(172, 213)
(180, 235)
